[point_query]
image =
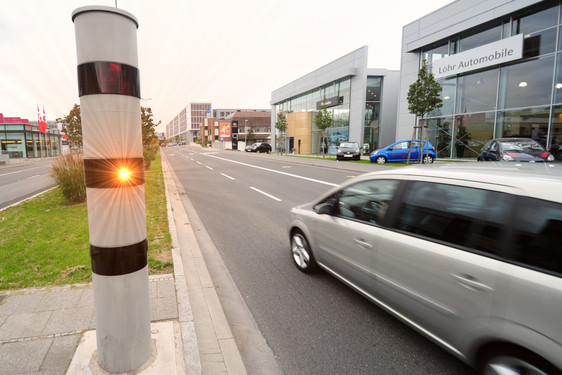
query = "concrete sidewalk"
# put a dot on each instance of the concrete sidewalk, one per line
(51, 330)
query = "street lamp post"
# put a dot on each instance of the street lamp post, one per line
(245, 130)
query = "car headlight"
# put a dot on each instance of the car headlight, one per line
(507, 157)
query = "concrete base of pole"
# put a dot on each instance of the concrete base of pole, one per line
(122, 313)
(166, 358)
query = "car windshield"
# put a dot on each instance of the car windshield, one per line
(521, 146)
(348, 145)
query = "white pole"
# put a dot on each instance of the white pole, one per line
(109, 90)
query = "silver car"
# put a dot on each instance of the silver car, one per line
(468, 255)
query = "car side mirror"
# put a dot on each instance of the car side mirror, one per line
(389, 149)
(325, 208)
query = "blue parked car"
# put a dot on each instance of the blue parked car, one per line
(399, 152)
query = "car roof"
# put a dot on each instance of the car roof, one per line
(538, 180)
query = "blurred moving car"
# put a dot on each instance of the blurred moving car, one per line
(514, 149)
(399, 152)
(259, 147)
(348, 150)
(470, 256)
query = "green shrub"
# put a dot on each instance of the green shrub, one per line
(68, 172)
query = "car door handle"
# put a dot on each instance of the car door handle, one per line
(471, 283)
(362, 243)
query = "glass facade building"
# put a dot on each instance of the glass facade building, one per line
(521, 97)
(353, 95)
(20, 139)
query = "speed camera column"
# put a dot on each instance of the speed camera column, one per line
(109, 90)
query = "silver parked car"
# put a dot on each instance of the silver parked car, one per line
(468, 255)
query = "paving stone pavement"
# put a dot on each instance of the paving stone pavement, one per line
(40, 328)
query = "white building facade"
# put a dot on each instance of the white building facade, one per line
(362, 102)
(499, 63)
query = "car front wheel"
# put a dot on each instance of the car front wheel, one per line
(380, 160)
(302, 255)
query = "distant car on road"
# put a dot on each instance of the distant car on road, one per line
(399, 152)
(514, 149)
(348, 150)
(259, 147)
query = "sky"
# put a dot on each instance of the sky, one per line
(231, 53)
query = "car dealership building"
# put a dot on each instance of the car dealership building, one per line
(361, 100)
(500, 66)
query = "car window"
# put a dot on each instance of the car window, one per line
(469, 217)
(537, 239)
(401, 146)
(366, 201)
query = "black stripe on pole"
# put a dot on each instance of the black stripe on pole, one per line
(104, 77)
(116, 261)
(113, 173)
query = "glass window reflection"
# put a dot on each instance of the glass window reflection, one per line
(477, 92)
(471, 133)
(525, 123)
(536, 21)
(492, 34)
(527, 84)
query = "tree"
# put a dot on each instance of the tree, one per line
(72, 127)
(323, 120)
(148, 127)
(424, 96)
(281, 125)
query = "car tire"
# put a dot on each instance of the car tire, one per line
(428, 159)
(515, 360)
(380, 160)
(301, 252)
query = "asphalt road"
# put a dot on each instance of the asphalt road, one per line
(313, 324)
(22, 180)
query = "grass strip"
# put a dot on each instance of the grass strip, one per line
(44, 241)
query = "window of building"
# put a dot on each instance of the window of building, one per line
(526, 123)
(471, 132)
(530, 23)
(526, 84)
(477, 92)
(448, 95)
(491, 34)
(435, 53)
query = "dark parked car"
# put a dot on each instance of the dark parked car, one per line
(259, 147)
(348, 150)
(399, 152)
(514, 149)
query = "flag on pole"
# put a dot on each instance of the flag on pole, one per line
(42, 122)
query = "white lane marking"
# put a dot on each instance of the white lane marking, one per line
(37, 175)
(264, 193)
(227, 176)
(279, 172)
(198, 162)
(23, 170)
(209, 167)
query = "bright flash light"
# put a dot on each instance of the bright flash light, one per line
(124, 174)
